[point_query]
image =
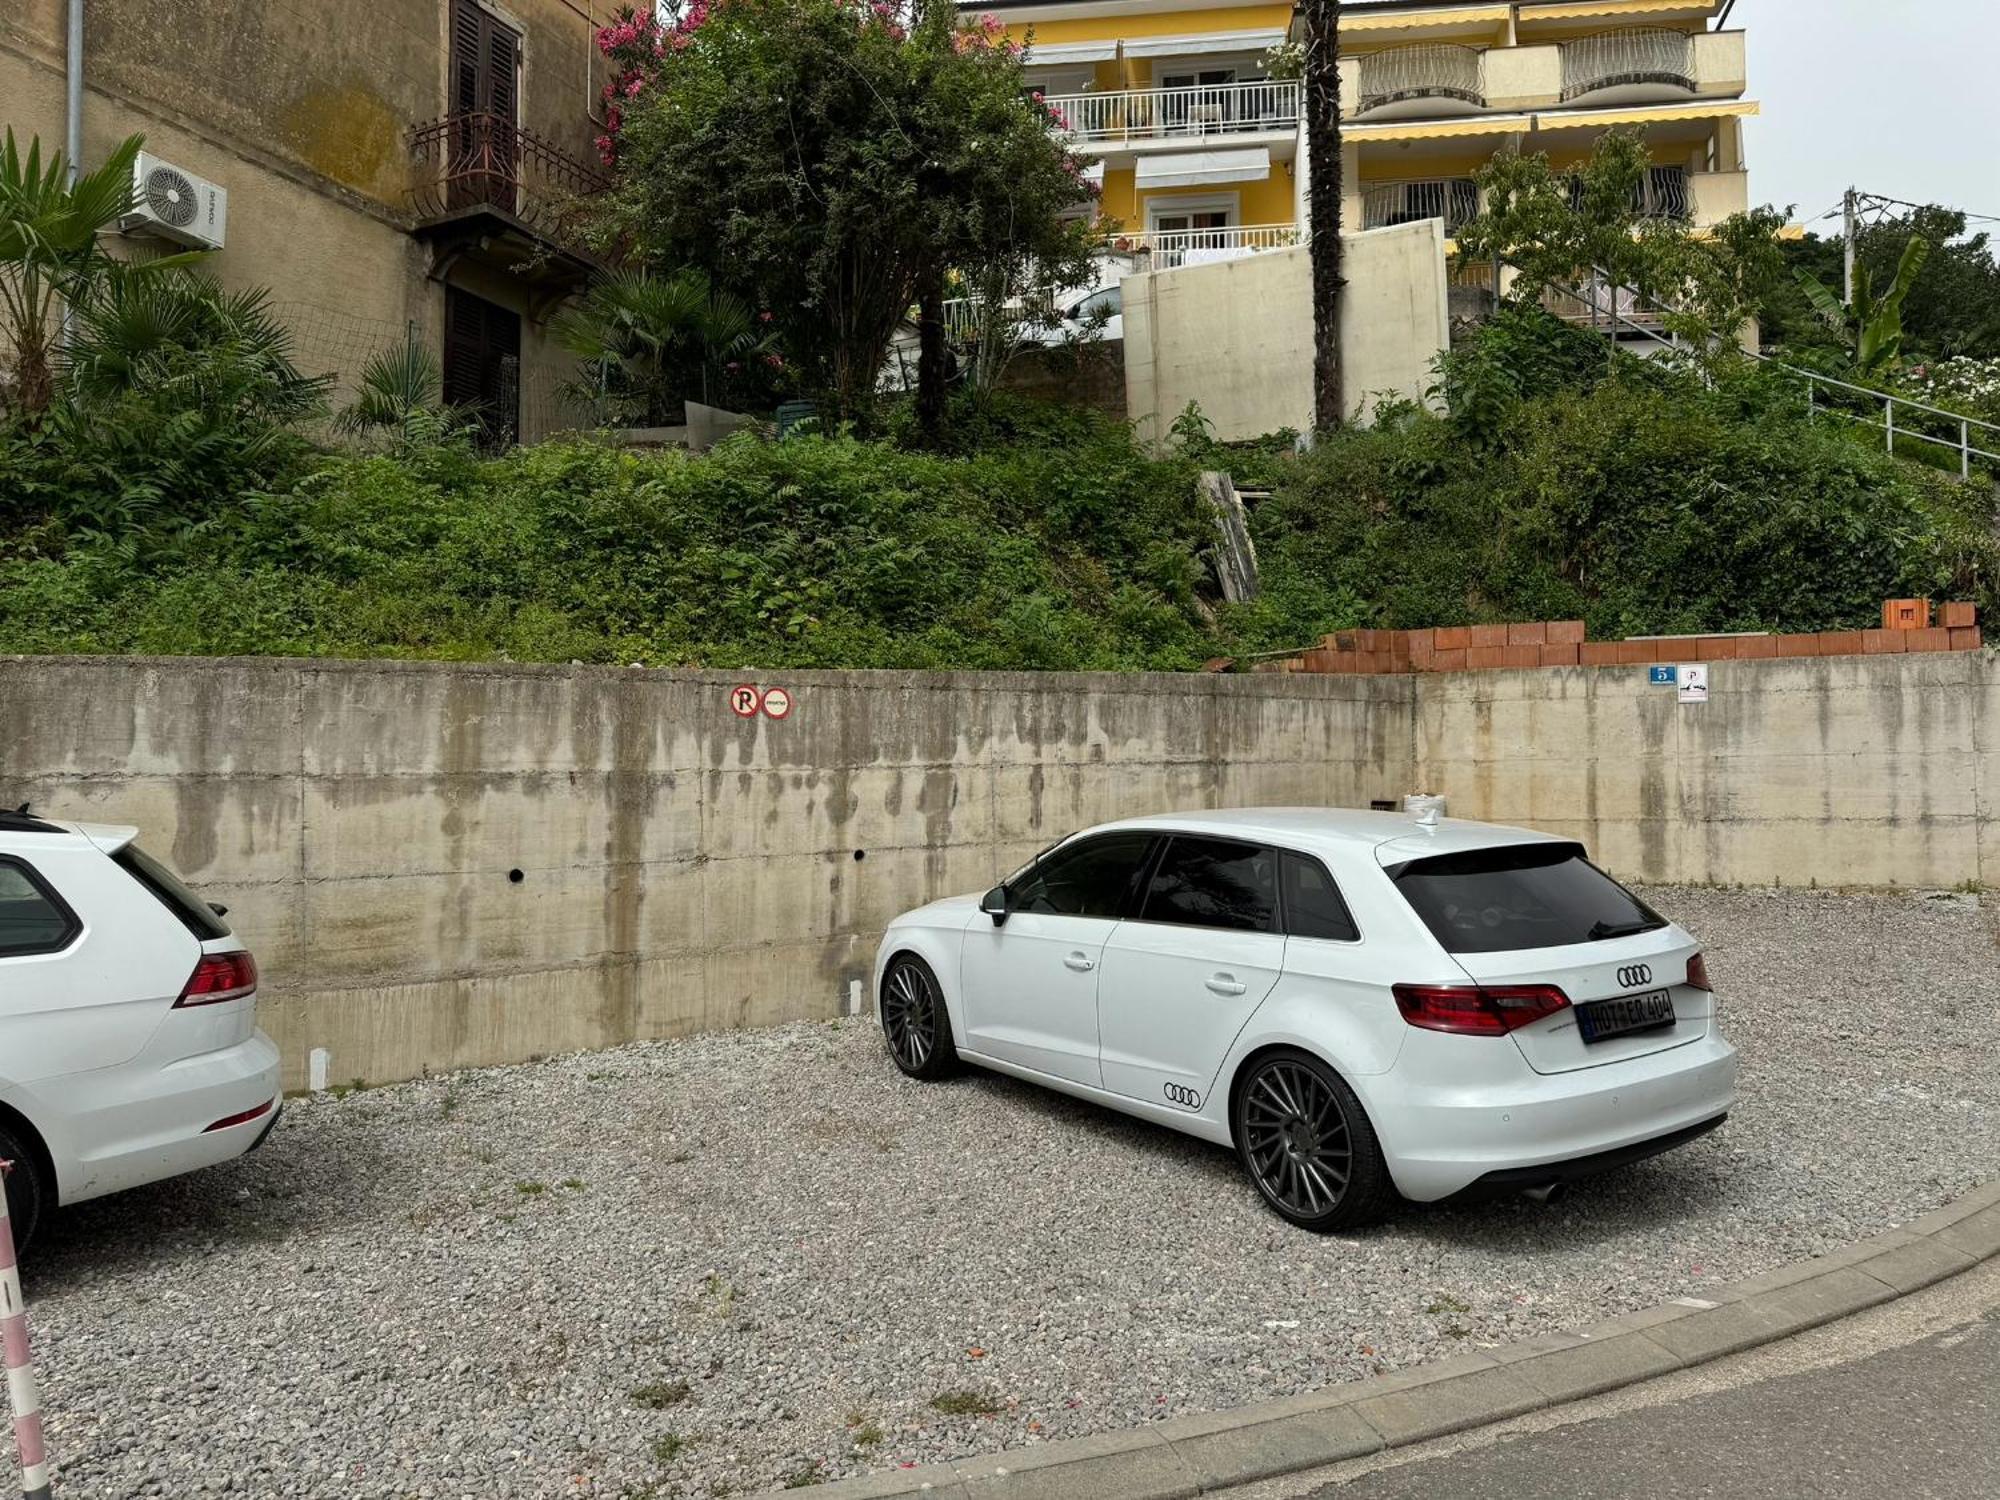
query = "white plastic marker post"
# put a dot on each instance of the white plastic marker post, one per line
(21, 1392)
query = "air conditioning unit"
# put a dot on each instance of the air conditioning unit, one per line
(176, 205)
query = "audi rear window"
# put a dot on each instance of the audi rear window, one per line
(193, 912)
(1519, 896)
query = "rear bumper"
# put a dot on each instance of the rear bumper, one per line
(137, 1124)
(1510, 1180)
(1445, 1127)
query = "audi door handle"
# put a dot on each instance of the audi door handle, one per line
(1222, 984)
(1083, 963)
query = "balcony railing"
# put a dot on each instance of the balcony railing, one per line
(1663, 193)
(1619, 59)
(468, 161)
(1453, 199)
(1429, 72)
(1198, 112)
(1190, 247)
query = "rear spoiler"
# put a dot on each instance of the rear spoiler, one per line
(109, 837)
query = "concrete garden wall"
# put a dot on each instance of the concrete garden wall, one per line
(443, 865)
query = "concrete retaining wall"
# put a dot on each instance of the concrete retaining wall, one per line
(682, 869)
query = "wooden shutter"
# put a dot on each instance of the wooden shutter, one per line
(485, 63)
(482, 362)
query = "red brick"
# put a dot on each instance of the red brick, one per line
(1452, 637)
(1563, 654)
(1487, 635)
(1906, 614)
(1756, 647)
(1798, 645)
(1449, 661)
(1959, 615)
(1480, 658)
(1840, 643)
(1528, 633)
(1521, 656)
(1884, 642)
(1712, 648)
(1931, 638)
(1638, 653)
(1964, 638)
(1422, 645)
(1565, 632)
(1346, 640)
(1597, 653)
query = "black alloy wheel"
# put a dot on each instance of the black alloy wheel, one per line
(1307, 1144)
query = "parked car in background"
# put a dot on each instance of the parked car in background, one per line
(1361, 1004)
(129, 1048)
(1086, 316)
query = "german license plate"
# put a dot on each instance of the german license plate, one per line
(1598, 1019)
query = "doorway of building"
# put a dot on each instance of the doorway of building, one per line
(485, 74)
(482, 364)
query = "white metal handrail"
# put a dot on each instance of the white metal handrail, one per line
(1633, 54)
(1199, 111)
(1453, 199)
(1436, 71)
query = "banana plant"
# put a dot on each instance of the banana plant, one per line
(49, 252)
(1873, 324)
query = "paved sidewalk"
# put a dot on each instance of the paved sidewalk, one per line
(1903, 1401)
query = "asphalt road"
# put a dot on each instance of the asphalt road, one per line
(1902, 1401)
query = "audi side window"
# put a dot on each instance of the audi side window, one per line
(33, 918)
(1214, 883)
(1092, 879)
(1313, 905)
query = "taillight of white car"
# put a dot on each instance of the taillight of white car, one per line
(219, 977)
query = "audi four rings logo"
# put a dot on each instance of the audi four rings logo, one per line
(1638, 974)
(1179, 1095)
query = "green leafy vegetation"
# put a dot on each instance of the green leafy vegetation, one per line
(965, 1404)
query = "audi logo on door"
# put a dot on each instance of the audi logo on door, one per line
(1634, 976)
(1185, 1097)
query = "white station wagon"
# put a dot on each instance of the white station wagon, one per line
(1361, 1004)
(129, 1048)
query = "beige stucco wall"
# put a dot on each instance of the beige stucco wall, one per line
(1236, 336)
(684, 869)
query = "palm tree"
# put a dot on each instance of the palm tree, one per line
(1322, 90)
(49, 251)
(401, 392)
(657, 341)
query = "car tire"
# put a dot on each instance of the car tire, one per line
(915, 1021)
(1307, 1143)
(26, 1191)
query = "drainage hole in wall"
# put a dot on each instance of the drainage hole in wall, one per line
(859, 855)
(516, 876)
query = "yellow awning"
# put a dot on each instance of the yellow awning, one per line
(1398, 20)
(1587, 8)
(1437, 130)
(1606, 118)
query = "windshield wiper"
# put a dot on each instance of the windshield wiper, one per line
(1602, 930)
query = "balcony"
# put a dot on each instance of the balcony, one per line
(1453, 199)
(1627, 65)
(1419, 79)
(483, 186)
(1133, 116)
(1168, 248)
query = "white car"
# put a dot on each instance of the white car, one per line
(1093, 316)
(129, 1048)
(1361, 1004)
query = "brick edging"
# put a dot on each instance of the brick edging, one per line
(1197, 1454)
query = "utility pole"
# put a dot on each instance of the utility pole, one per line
(1850, 206)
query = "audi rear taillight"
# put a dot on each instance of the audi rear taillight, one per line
(1478, 1009)
(219, 977)
(1698, 974)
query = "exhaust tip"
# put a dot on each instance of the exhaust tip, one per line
(1547, 1193)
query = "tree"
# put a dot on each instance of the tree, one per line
(49, 251)
(1323, 152)
(1585, 231)
(1873, 325)
(833, 161)
(1952, 311)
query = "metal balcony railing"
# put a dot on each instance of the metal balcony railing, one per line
(1430, 72)
(1201, 111)
(466, 161)
(1634, 55)
(1663, 193)
(1180, 247)
(1453, 199)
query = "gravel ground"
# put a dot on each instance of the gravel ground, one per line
(735, 1261)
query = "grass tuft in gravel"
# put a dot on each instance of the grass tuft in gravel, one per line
(660, 1394)
(964, 1404)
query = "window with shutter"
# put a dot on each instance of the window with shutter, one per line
(484, 69)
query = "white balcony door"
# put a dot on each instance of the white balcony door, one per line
(1185, 112)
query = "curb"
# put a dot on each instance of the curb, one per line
(1194, 1455)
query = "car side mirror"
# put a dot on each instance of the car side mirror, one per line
(994, 904)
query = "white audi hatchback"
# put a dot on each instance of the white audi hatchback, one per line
(1361, 1004)
(129, 1048)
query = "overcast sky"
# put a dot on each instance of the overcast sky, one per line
(1898, 97)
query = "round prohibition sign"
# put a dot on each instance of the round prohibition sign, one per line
(744, 701)
(777, 702)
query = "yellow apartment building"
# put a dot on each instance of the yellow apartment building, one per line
(1200, 150)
